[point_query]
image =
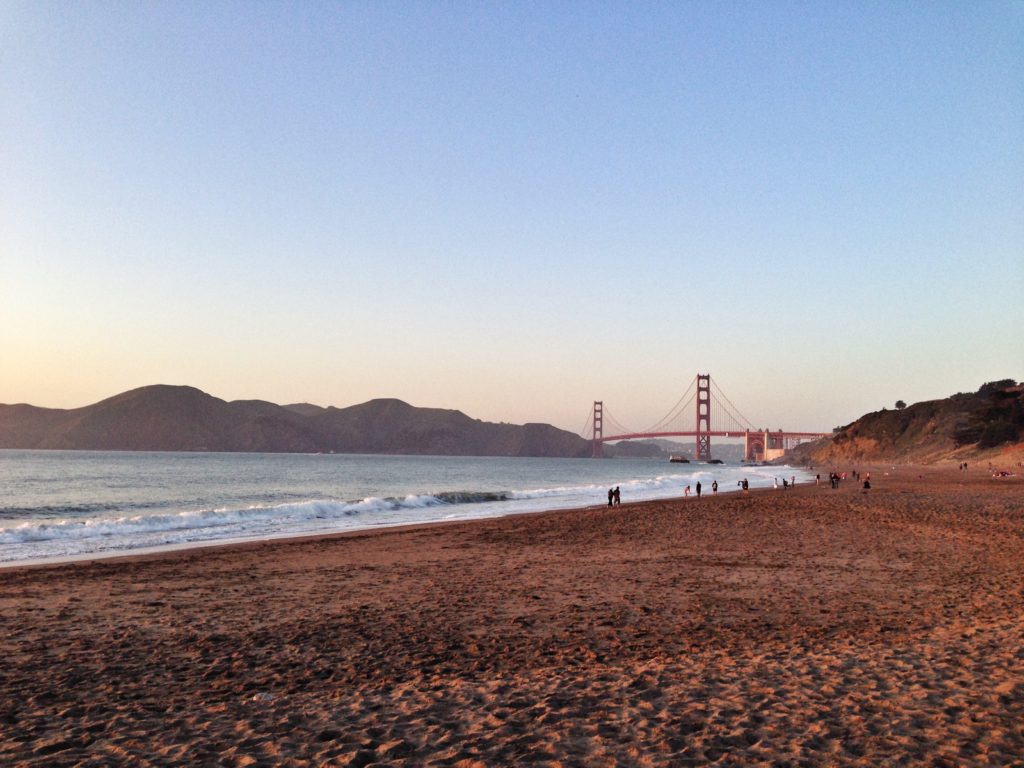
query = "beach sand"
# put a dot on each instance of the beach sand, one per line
(812, 627)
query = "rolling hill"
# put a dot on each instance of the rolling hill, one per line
(180, 418)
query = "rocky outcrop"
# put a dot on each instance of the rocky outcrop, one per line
(961, 426)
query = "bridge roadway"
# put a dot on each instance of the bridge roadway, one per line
(757, 445)
(715, 433)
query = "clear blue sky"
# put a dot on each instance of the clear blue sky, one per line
(513, 209)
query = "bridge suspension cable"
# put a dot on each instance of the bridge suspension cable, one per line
(616, 426)
(731, 410)
(677, 410)
(588, 428)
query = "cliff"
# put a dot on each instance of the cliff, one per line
(967, 425)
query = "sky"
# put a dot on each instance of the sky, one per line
(513, 209)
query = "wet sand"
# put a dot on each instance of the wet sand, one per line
(812, 627)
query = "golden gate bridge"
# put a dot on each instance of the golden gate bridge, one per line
(702, 412)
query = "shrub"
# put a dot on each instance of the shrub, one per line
(997, 433)
(967, 434)
(996, 386)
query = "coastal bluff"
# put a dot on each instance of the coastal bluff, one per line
(183, 418)
(987, 424)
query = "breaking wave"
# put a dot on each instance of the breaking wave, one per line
(109, 525)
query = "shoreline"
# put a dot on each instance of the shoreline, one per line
(813, 626)
(191, 548)
(156, 550)
(186, 548)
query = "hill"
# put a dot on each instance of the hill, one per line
(988, 422)
(177, 418)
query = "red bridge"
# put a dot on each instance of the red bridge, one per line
(707, 403)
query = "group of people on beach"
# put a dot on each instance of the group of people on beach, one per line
(834, 478)
(614, 498)
(996, 472)
(698, 488)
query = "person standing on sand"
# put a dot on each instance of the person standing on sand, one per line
(611, 495)
(746, 487)
(618, 499)
(698, 489)
(714, 487)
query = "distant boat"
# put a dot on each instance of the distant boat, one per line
(678, 459)
(715, 461)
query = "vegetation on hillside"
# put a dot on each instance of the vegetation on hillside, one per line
(933, 430)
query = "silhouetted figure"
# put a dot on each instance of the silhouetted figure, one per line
(618, 499)
(714, 487)
(698, 489)
(611, 496)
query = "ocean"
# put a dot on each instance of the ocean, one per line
(64, 505)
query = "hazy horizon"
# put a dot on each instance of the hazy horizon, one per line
(513, 210)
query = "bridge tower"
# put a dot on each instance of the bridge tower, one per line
(598, 449)
(703, 416)
(753, 445)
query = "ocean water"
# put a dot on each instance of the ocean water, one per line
(59, 505)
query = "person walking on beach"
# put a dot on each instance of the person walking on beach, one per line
(618, 499)
(698, 489)
(746, 487)
(611, 496)
(714, 487)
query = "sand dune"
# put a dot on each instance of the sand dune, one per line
(814, 627)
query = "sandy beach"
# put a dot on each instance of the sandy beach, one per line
(811, 627)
